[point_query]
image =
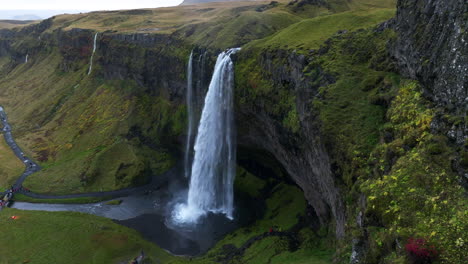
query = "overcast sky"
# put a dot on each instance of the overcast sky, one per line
(84, 4)
(46, 8)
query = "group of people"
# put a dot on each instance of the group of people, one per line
(9, 194)
(6, 199)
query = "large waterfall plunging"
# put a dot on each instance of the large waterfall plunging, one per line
(213, 169)
(92, 55)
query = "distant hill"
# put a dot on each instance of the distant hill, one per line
(14, 23)
(191, 2)
(27, 17)
(33, 14)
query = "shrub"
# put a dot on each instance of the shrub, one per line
(420, 251)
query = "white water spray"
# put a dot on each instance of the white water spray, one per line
(26, 59)
(190, 113)
(92, 54)
(214, 165)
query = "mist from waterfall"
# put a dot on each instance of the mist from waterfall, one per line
(26, 59)
(214, 164)
(92, 54)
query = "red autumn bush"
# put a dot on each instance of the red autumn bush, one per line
(420, 251)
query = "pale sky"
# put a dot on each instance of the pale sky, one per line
(23, 9)
(84, 4)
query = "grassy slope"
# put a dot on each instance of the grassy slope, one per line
(77, 125)
(10, 166)
(9, 24)
(311, 33)
(67, 237)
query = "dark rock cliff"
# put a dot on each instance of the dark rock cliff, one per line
(432, 47)
(301, 153)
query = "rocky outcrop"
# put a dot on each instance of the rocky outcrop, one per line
(75, 46)
(301, 153)
(33, 44)
(145, 59)
(432, 47)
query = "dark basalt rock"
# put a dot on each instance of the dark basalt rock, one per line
(303, 154)
(76, 46)
(432, 47)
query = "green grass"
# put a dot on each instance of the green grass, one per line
(247, 26)
(10, 166)
(68, 237)
(311, 33)
(114, 202)
(353, 101)
(82, 200)
(284, 206)
(249, 184)
(276, 251)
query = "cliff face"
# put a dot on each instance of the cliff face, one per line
(293, 138)
(432, 47)
(130, 108)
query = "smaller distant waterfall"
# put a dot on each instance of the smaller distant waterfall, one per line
(26, 59)
(214, 165)
(92, 54)
(195, 94)
(190, 113)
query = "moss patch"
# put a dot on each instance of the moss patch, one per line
(84, 200)
(419, 195)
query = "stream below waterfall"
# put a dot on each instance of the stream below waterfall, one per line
(148, 213)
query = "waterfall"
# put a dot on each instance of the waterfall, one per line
(26, 59)
(92, 54)
(190, 113)
(214, 165)
(196, 90)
